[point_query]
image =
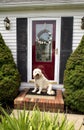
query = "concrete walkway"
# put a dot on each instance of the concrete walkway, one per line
(77, 119)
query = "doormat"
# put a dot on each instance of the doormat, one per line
(43, 93)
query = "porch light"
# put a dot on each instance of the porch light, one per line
(82, 23)
(7, 23)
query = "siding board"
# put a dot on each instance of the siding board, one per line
(77, 32)
(9, 36)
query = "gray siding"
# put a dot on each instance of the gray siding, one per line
(9, 35)
(77, 31)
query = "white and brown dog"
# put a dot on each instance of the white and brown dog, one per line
(41, 82)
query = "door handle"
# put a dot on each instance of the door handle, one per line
(56, 51)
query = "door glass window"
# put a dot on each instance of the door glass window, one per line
(44, 42)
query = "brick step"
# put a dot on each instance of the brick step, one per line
(44, 104)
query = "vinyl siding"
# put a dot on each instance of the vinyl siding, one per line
(77, 31)
(9, 36)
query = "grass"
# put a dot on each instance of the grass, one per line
(34, 121)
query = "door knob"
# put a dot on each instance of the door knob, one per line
(56, 51)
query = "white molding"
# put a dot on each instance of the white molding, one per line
(57, 57)
(29, 52)
(42, 13)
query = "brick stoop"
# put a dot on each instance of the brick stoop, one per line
(44, 104)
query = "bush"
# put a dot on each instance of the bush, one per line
(35, 121)
(74, 79)
(9, 75)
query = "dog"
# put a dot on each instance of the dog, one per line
(41, 82)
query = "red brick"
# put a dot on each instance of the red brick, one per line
(52, 105)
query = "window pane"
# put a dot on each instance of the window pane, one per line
(44, 42)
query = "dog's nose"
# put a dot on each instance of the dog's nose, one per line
(37, 75)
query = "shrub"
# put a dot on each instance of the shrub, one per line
(9, 75)
(35, 121)
(74, 79)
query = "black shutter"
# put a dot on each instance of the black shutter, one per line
(66, 43)
(22, 47)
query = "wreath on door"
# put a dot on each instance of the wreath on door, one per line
(42, 40)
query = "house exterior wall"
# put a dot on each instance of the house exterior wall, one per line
(77, 31)
(10, 36)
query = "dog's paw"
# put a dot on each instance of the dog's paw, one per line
(38, 92)
(51, 92)
(48, 93)
(33, 91)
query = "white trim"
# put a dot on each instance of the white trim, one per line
(57, 57)
(42, 13)
(29, 53)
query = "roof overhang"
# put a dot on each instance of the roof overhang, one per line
(39, 6)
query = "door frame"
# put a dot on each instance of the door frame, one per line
(29, 44)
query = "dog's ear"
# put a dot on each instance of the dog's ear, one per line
(40, 70)
(33, 73)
